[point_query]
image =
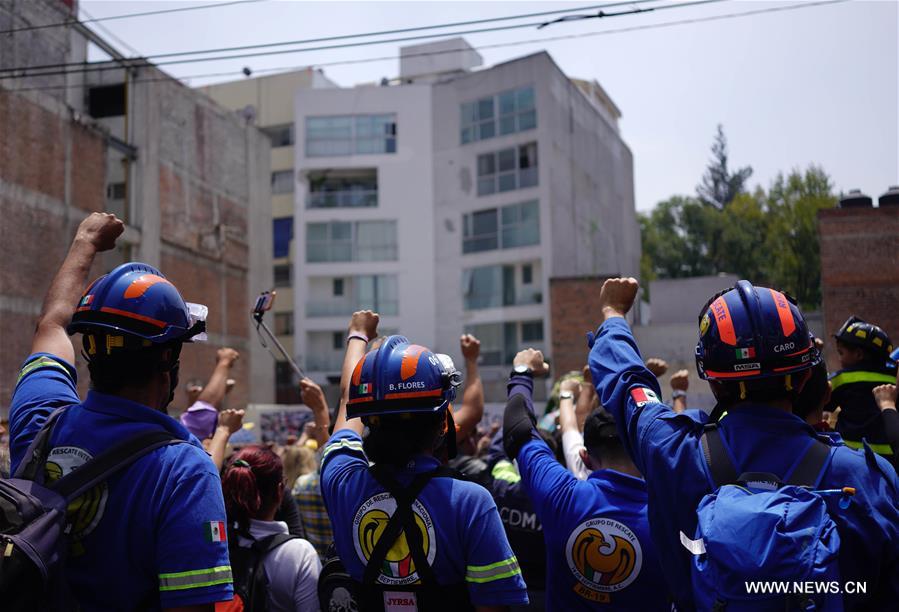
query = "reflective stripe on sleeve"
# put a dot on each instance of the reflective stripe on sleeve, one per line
(195, 579)
(494, 571)
(880, 449)
(504, 470)
(847, 378)
(355, 445)
(43, 362)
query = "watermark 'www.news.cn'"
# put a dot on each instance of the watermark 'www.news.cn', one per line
(806, 588)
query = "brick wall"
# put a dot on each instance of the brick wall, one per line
(573, 312)
(52, 171)
(859, 269)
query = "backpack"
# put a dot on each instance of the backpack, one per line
(339, 592)
(250, 581)
(756, 528)
(34, 533)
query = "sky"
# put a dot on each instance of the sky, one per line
(818, 85)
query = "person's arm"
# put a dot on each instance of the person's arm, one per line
(314, 397)
(214, 391)
(572, 438)
(230, 421)
(96, 234)
(885, 396)
(586, 399)
(365, 323)
(519, 419)
(471, 412)
(680, 382)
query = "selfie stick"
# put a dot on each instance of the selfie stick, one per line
(263, 303)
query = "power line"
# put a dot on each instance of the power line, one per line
(358, 35)
(110, 34)
(652, 26)
(125, 16)
(93, 68)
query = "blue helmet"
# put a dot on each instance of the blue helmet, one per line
(136, 306)
(750, 333)
(399, 377)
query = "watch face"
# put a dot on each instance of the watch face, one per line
(521, 369)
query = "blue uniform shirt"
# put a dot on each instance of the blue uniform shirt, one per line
(666, 449)
(153, 534)
(460, 526)
(599, 554)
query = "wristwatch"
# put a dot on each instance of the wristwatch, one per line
(566, 395)
(522, 370)
(678, 393)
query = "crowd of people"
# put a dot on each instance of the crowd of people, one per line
(402, 497)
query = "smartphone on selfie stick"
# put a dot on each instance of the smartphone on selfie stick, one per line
(264, 304)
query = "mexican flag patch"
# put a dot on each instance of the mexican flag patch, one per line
(642, 396)
(745, 353)
(215, 531)
(364, 388)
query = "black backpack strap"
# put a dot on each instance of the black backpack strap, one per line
(811, 467)
(402, 520)
(111, 461)
(716, 457)
(270, 543)
(36, 455)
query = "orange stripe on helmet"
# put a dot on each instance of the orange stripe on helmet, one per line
(725, 323)
(787, 324)
(132, 315)
(142, 283)
(360, 400)
(357, 371)
(732, 374)
(410, 360)
(413, 394)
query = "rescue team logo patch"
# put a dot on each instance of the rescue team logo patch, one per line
(368, 526)
(643, 396)
(84, 513)
(604, 556)
(215, 531)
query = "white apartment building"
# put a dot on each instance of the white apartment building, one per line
(447, 202)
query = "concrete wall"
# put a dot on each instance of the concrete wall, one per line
(679, 300)
(404, 195)
(859, 269)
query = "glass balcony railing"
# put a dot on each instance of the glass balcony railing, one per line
(355, 198)
(341, 308)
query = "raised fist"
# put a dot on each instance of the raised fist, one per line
(471, 347)
(680, 380)
(312, 395)
(533, 359)
(885, 396)
(657, 366)
(365, 322)
(100, 230)
(227, 356)
(231, 419)
(617, 296)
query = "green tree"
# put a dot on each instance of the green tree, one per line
(675, 238)
(719, 185)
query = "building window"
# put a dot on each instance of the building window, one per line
(364, 292)
(283, 323)
(495, 287)
(337, 340)
(283, 275)
(350, 135)
(106, 101)
(500, 342)
(527, 274)
(287, 390)
(339, 189)
(282, 182)
(280, 135)
(351, 241)
(516, 225)
(506, 113)
(506, 170)
(282, 234)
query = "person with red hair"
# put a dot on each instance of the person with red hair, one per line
(253, 485)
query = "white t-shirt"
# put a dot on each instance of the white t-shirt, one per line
(292, 569)
(572, 443)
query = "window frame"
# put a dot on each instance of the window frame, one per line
(523, 177)
(388, 137)
(471, 242)
(352, 241)
(474, 127)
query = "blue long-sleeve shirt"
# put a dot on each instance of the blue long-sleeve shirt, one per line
(599, 554)
(666, 448)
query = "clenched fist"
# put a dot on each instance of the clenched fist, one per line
(364, 322)
(680, 380)
(617, 296)
(100, 230)
(533, 359)
(885, 396)
(471, 347)
(227, 356)
(657, 366)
